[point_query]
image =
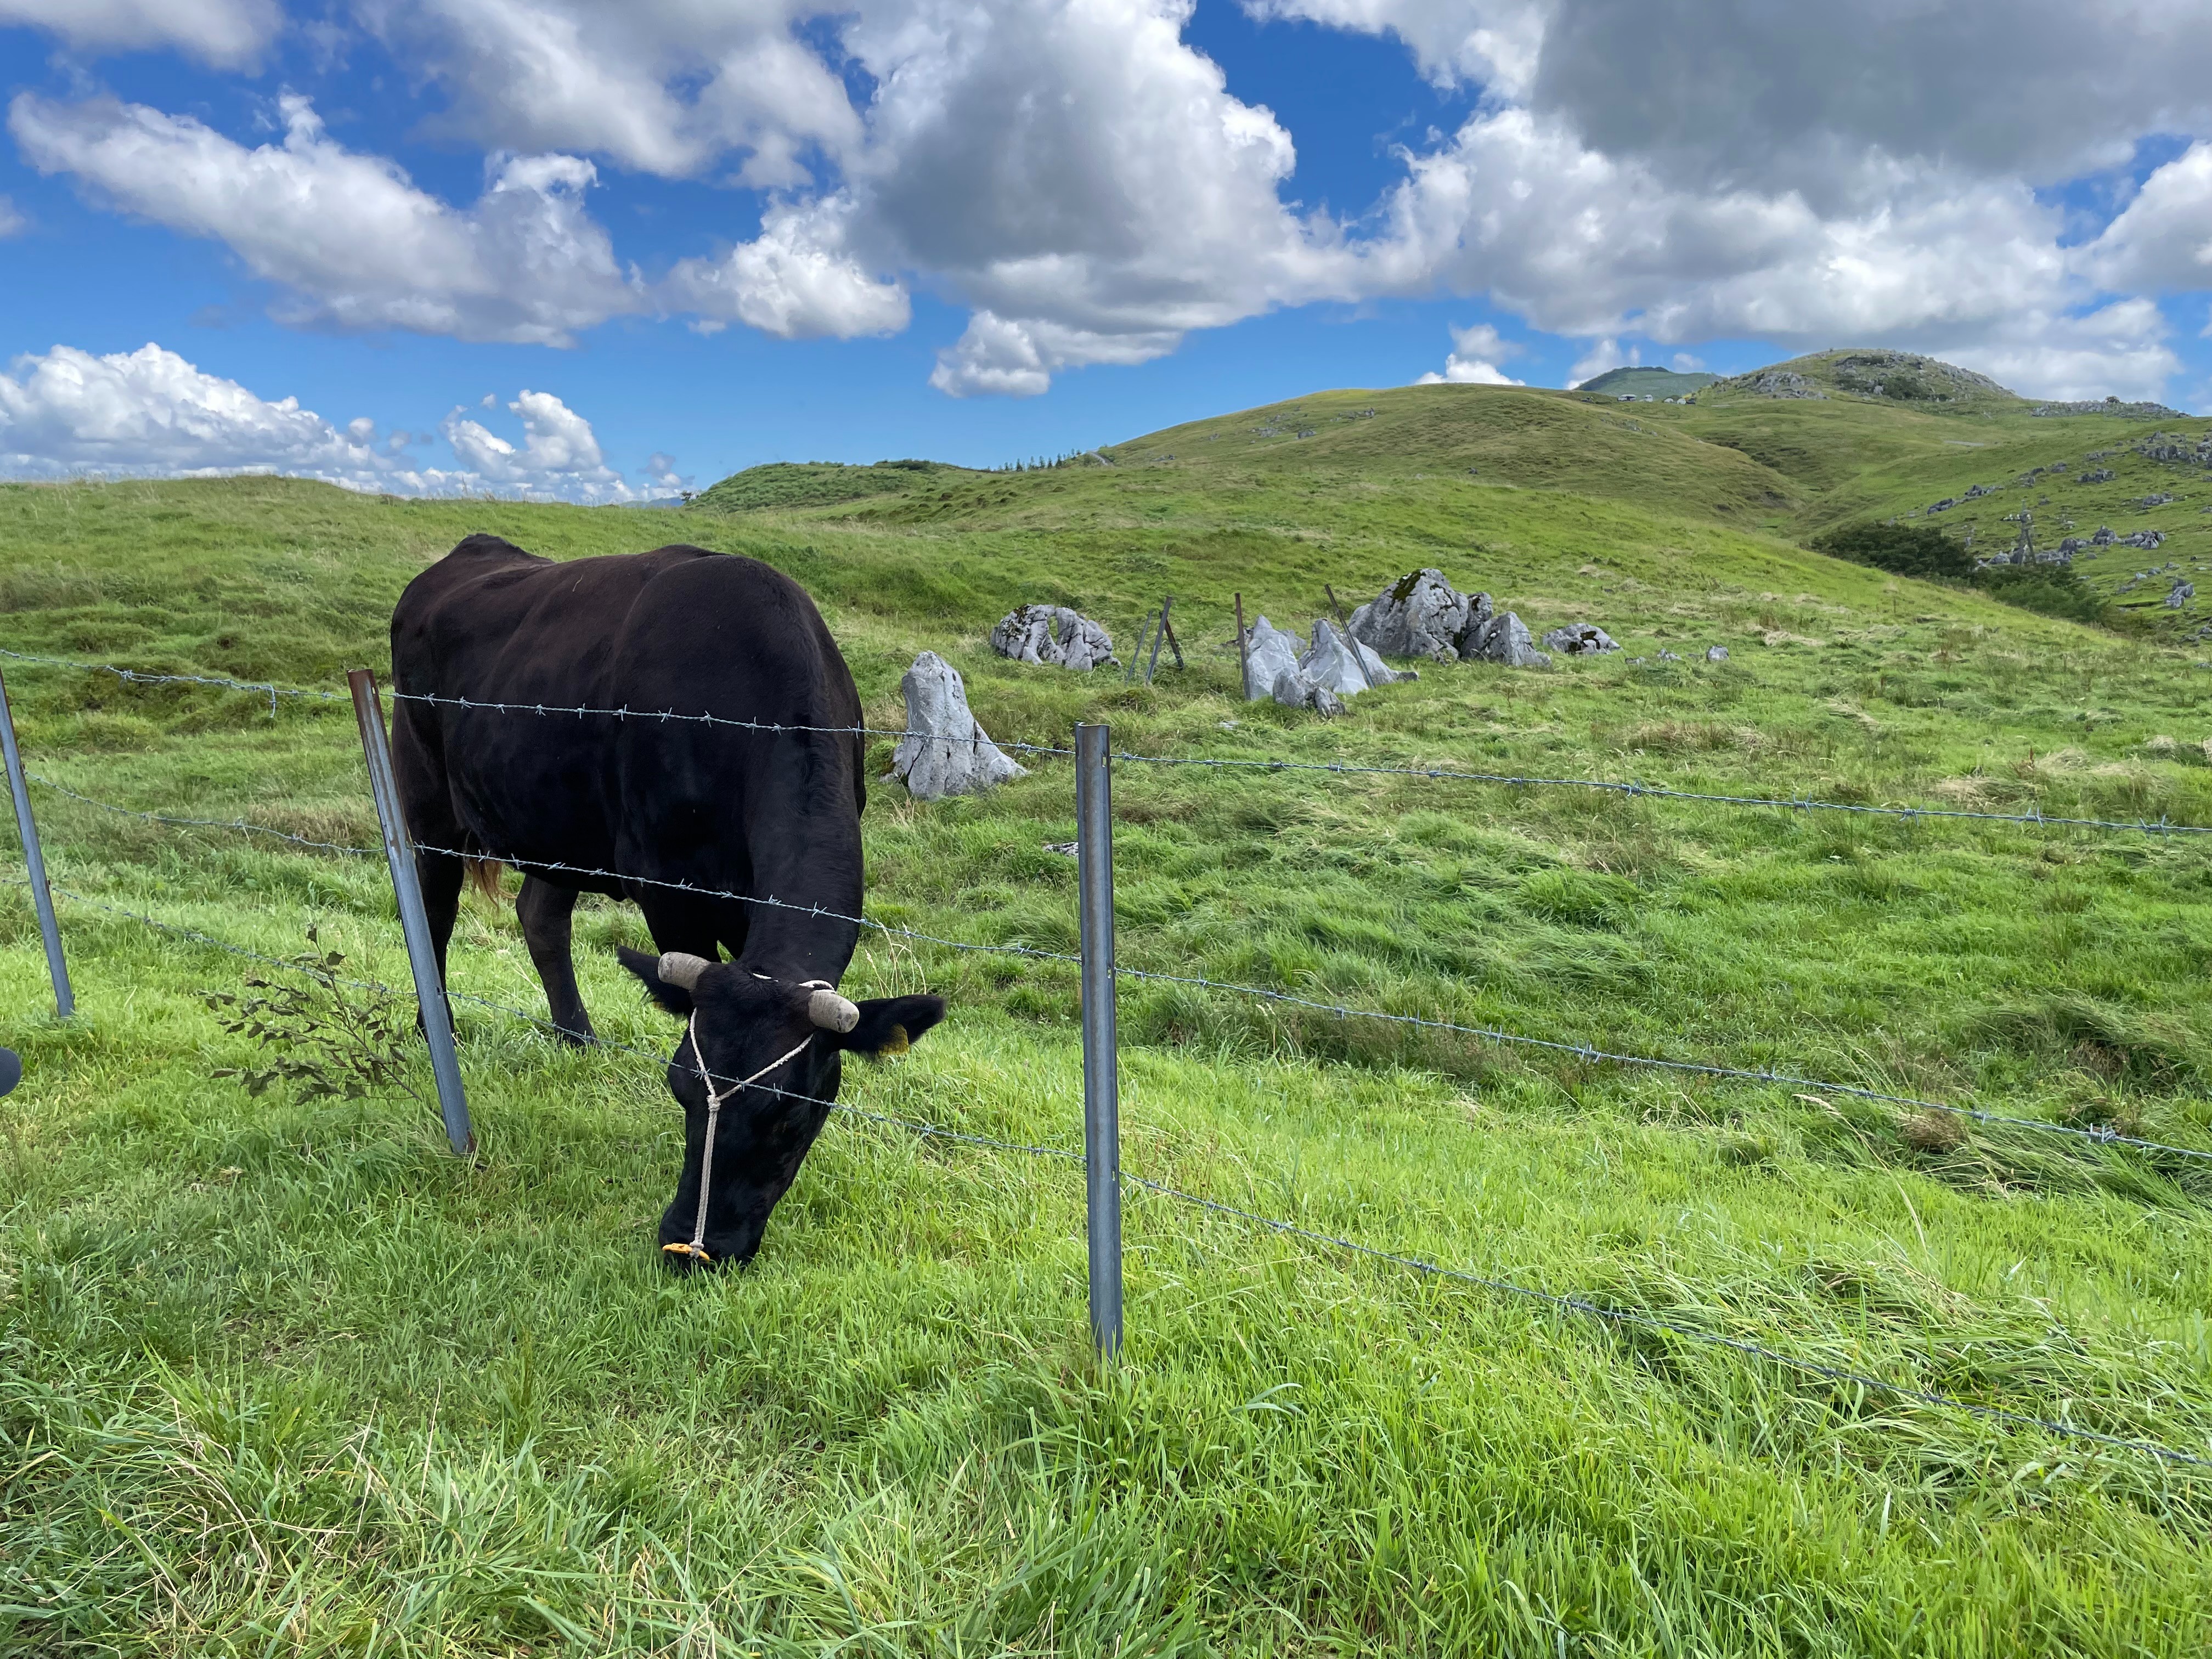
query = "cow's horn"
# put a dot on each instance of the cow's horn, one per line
(831, 1011)
(681, 968)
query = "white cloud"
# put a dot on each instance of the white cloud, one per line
(1472, 362)
(668, 87)
(231, 33)
(1080, 177)
(794, 280)
(1601, 355)
(1687, 363)
(11, 221)
(351, 241)
(2164, 237)
(1015, 358)
(151, 413)
(559, 458)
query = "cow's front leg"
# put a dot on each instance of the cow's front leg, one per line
(545, 910)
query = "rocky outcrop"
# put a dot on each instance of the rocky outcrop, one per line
(2182, 593)
(1269, 654)
(1716, 653)
(1420, 615)
(945, 752)
(1581, 640)
(1052, 635)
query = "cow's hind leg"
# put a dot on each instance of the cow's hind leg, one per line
(440, 877)
(545, 910)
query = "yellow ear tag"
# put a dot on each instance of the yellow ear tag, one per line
(895, 1043)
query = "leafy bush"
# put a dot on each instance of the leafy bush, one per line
(325, 1037)
(2054, 590)
(1903, 549)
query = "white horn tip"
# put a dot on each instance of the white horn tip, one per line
(832, 1012)
(681, 968)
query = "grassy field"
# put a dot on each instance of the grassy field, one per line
(288, 1377)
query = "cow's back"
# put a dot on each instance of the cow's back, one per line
(679, 629)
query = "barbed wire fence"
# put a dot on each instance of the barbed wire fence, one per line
(1106, 1181)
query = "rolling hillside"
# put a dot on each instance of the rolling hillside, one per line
(278, 1372)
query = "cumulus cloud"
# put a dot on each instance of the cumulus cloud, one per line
(668, 87)
(1089, 186)
(559, 458)
(352, 243)
(151, 413)
(1602, 355)
(2163, 239)
(1081, 178)
(229, 33)
(794, 280)
(1472, 362)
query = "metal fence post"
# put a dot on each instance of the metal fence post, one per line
(1102, 1102)
(41, 894)
(414, 919)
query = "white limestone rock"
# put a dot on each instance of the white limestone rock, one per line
(1505, 638)
(946, 752)
(1329, 662)
(1420, 615)
(1270, 653)
(1052, 635)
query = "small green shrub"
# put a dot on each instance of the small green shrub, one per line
(2051, 590)
(1903, 549)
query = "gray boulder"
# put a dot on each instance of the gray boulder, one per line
(1716, 653)
(1294, 690)
(1329, 663)
(2103, 538)
(2182, 593)
(945, 752)
(1505, 638)
(1269, 654)
(1420, 615)
(1581, 640)
(1052, 635)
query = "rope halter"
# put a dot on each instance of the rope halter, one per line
(696, 1248)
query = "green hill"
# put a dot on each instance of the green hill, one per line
(274, 1365)
(1635, 382)
(814, 484)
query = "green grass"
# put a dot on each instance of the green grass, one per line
(289, 1378)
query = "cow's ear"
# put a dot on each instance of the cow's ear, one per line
(891, 1025)
(673, 998)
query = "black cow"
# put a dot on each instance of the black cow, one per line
(769, 815)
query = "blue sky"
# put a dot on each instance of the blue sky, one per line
(983, 234)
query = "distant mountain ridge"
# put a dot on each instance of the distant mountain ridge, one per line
(1633, 380)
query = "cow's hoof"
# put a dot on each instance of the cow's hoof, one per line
(573, 1039)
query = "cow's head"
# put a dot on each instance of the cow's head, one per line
(794, 1037)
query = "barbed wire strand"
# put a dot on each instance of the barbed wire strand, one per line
(2162, 827)
(143, 677)
(1576, 1304)
(767, 901)
(2039, 819)
(662, 716)
(915, 1125)
(239, 824)
(1642, 1319)
(2101, 1136)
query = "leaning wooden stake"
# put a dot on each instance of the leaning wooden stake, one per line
(1244, 652)
(414, 919)
(1357, 655)
(1167, 628)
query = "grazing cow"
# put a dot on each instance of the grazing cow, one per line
(768, 815)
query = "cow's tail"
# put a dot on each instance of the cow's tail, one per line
(483, 875)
